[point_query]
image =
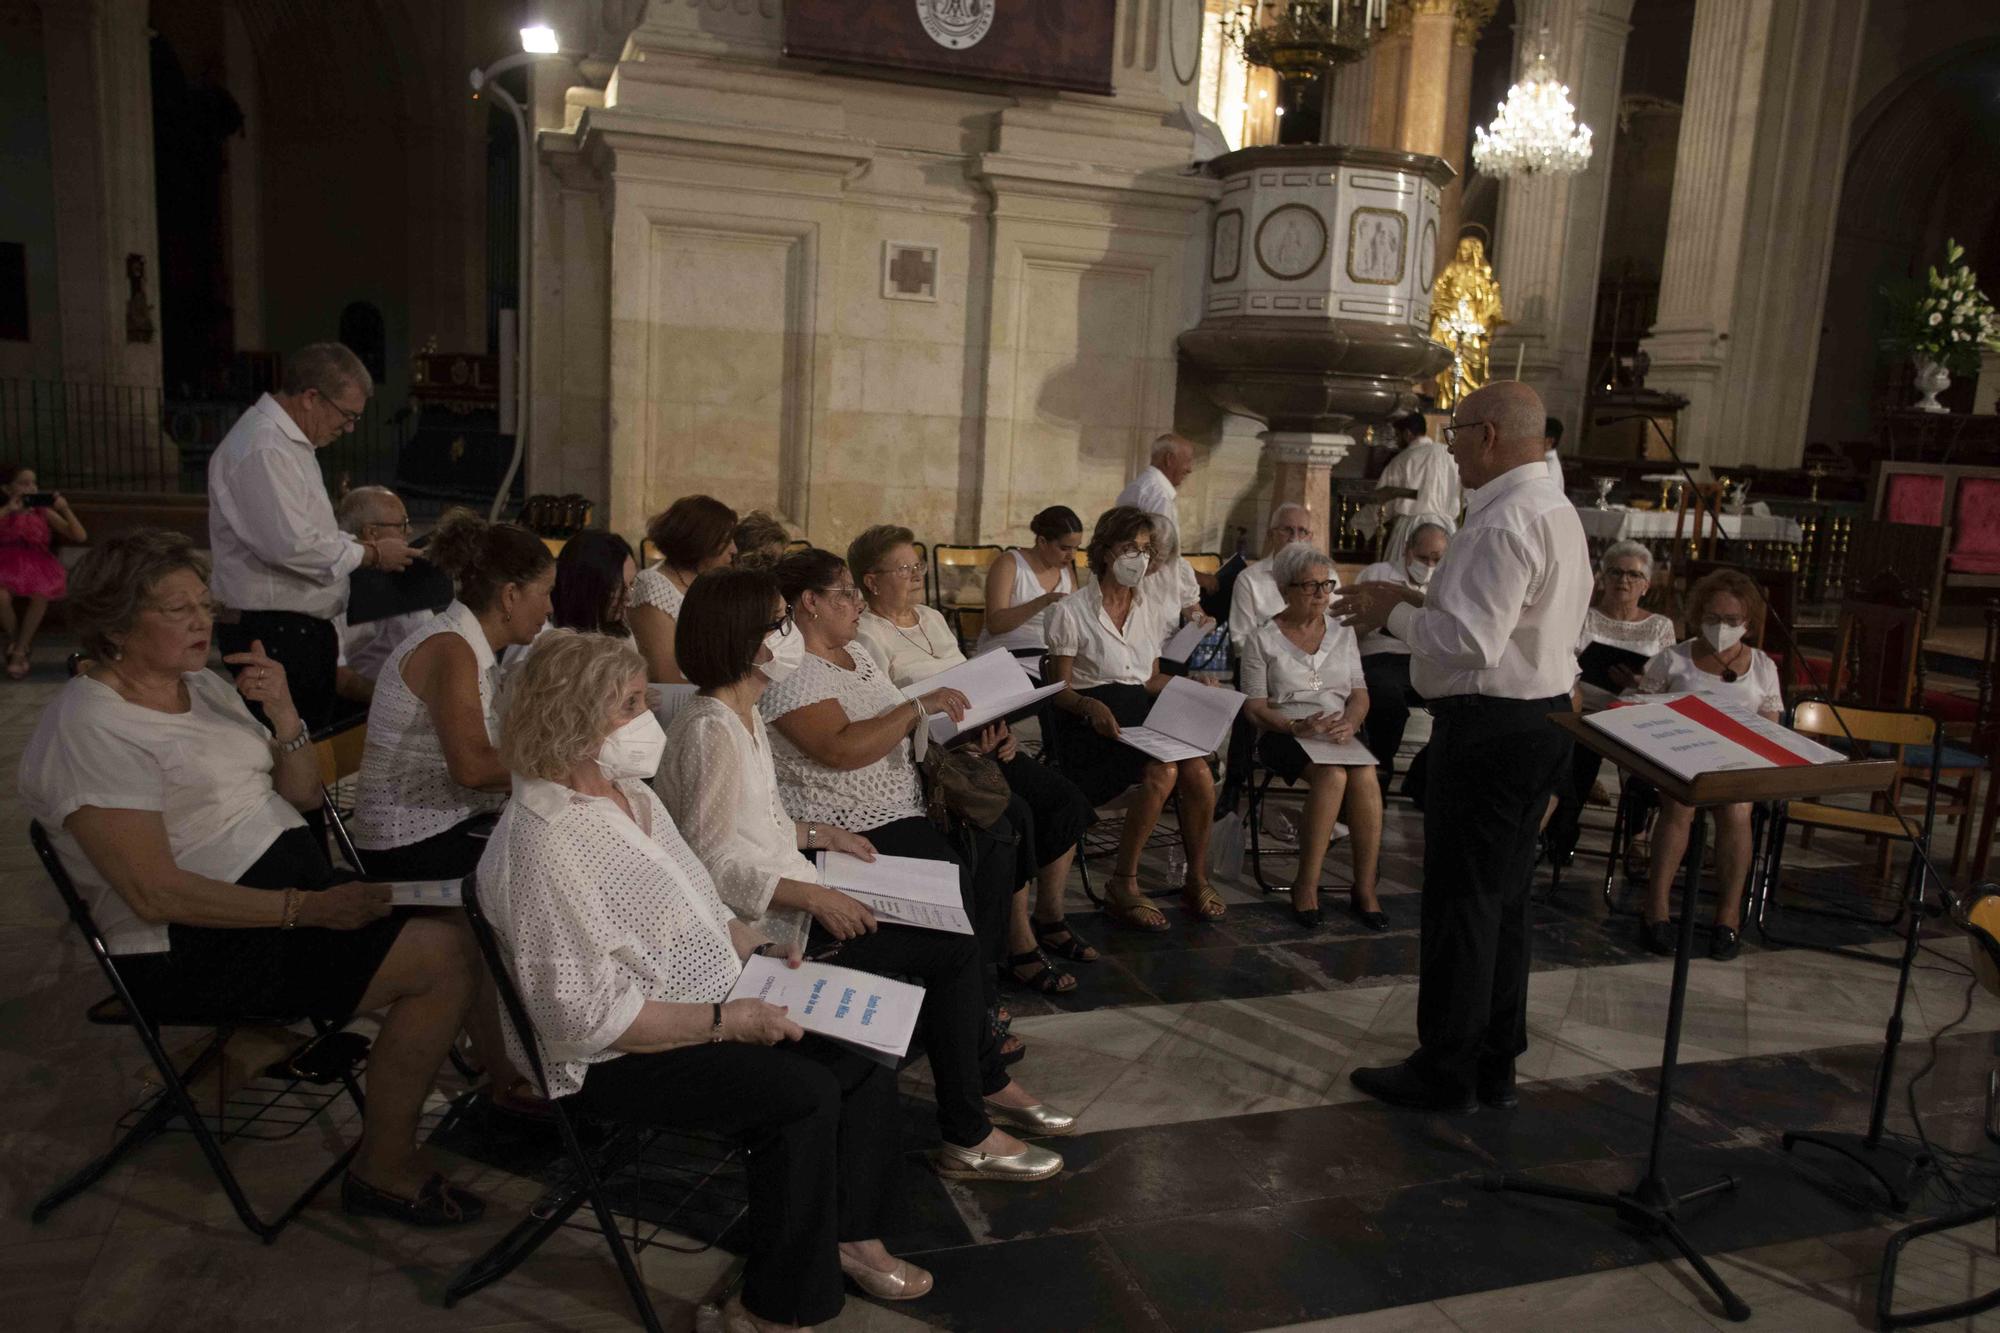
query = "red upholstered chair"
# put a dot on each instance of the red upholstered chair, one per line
(1913, 498)
(1975, 538)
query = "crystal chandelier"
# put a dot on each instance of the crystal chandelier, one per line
(1535, 131)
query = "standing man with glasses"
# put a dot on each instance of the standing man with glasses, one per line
(1493, 652)
(281, 560)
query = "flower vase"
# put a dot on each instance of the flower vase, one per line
(1932, 380)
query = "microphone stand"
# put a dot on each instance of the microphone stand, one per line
(1898, 1170)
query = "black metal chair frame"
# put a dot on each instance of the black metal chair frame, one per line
(1257, 785)
(1105, 836)
(173, 1100)
(1765, 882)
(1761, 823)
(624, 1145)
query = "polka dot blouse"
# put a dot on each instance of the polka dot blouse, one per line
(854, 799)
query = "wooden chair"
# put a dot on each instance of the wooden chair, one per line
(1910, 738)
(958, 576)
(1204, 562)
(1878, 649)
(1703, 503)
(1912, 550)
(1986, 741)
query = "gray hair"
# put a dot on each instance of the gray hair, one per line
(1291, 564)
(358, 505)
(1166, 446)
(1290, 507)
(326, 368)
(1620, 550)
(115, 578)
(1428, 526)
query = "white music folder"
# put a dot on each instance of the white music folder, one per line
(997, 688)
(1187, 721)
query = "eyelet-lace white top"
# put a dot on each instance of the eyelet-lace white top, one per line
(598, 915)
(1648, 636)
(406, 792)
(854, 799)
(718, 782)
(653, 588)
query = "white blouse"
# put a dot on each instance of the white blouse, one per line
(911, 652)
(1100, 653)
(1648, 636)
(599, 914)
(206, 771)
(406, 792)
(1275, 668)
(1381, 640)
(1674, 672)
(854, 799)
(1168, 589)
(653, 588)
(1030, 632)
(718, 782)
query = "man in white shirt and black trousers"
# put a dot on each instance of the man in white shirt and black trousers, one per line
(1493, 651)
(281, 561)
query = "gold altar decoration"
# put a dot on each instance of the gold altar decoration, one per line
(1465, 314)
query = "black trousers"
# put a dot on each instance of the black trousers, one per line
(965, 1060)
(1060, 812)
(988, 870)
(820, 1127)
(1390, 700)
(305, 646)
(1493, 764)
(1572, 794)
(452, 854)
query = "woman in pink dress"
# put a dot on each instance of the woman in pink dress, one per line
(27, 567)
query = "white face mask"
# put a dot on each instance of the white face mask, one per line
(634, 750)
(787, 651)
(1130, 569)
(1721, 637)
(1420, 573)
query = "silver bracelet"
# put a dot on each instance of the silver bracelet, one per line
(296, 743)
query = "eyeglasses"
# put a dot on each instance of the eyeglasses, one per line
(1622, 575)
(1296, 534)
(402, 526)
(909, 571)
(781, 626)
(1130, 548)
(1458, 426)
(184, 613)
(851, 594)
(1317, 585)
(347, 418)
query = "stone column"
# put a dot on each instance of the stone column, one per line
(1391, 61)
(1757, 180)
(1302, 464)
(1458, 125)
(99, 67)
(1427, 88)
(1551, 228)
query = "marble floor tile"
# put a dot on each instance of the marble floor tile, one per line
(1426, 1317)
(1621, 1298)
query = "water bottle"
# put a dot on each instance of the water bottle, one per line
(1176, 864)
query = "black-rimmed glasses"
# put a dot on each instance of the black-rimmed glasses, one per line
(1316, 585)
(781, 626)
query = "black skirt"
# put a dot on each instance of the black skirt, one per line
(452, 854)
(211, 974)
(1057, 811)
(1101, 768)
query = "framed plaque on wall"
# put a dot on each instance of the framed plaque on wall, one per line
(1048, 43)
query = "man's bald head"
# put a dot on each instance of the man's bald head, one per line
(1290, 522)
(1496, 429)
(1174, 455)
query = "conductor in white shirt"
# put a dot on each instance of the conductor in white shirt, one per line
(1493, 651)
(1429, 469)
(1156, 490)
(281, 561)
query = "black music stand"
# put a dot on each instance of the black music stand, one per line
(1650, 1204)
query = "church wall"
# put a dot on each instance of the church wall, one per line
(27, 204)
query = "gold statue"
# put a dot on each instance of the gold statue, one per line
(1465, 314)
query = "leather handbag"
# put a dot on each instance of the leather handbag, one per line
(962, 785)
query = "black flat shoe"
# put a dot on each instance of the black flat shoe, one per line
(1307, 917)
(1375, 920)
(1659, 937)
(438, 1204)
(1725, 944)
(1402, 1085)
(1495, 1086)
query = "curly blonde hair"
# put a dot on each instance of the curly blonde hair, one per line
(1738, 585)
(556, 704)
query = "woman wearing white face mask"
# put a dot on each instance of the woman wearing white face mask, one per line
(1719, 665)
(1104, 644)
(1385, 659)
(736, 639)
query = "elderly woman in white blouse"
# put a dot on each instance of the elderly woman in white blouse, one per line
(1616, 621)
(625, 957)
(1104, 645)
(914, 643)
(177, 814)
(843, 753)
(1721, 665)
(735, 638)
(1302, 678)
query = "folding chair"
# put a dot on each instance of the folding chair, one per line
(958, 574)
(622, 1147)
(1636, 800)
(1258, 784)
(1103, 836)
(1902, 733)
(339, 749)
(173, 1099)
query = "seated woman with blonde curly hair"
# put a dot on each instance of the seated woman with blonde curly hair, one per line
(625, 957)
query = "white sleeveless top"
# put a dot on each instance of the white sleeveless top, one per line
(653, 588)
(406, 793)
(1027, 634)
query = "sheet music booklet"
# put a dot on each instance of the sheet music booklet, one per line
(904, 889)
(996, 686)
(1688, 735)
(1187, 721)
(873, 1015)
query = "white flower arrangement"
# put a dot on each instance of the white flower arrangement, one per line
(1945, 318)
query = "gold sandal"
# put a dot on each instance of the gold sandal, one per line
(1204, 902)
(1140, 915)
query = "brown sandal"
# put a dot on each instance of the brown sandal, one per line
(1140, 915)
(1204, 902)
